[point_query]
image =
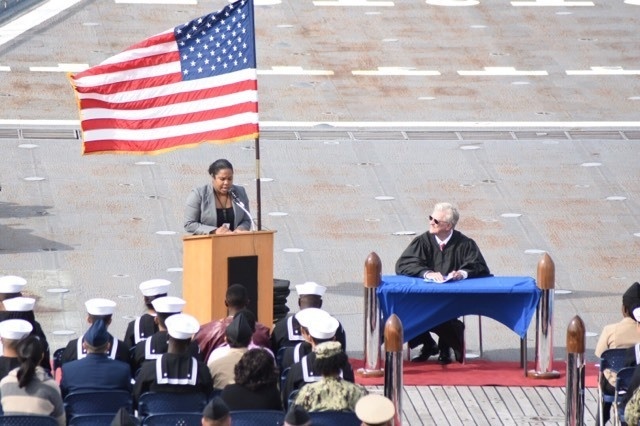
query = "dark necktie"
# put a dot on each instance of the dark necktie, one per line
(442, 246)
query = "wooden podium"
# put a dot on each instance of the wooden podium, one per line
(212, 262)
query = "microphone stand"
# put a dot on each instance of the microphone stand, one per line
(240, 204)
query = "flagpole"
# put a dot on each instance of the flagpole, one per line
(257, 141)
(258, 195)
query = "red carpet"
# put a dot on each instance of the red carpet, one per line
(475, 373)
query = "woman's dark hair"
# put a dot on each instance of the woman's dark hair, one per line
(30, 351)
(255, 369)
(218, 165)
(331, 365)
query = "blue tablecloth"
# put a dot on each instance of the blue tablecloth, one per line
(421, 305)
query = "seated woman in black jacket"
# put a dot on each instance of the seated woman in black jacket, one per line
(256, 383)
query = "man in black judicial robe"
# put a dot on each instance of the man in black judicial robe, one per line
(442, 254)
(175, 371)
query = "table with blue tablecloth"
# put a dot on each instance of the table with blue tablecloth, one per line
(423, 305)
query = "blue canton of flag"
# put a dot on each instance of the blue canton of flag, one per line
(219, 43)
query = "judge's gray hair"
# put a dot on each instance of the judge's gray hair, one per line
(452, 215)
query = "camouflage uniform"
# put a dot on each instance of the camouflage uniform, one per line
(331, 393)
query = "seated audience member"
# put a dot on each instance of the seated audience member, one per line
(375, 410)
(176, 371)
(321, 329)
(297, 416)
(29, 389)
(212, 335)
(294, 354)
(331, 392)
(216, 413)
(256, 383)
(238, 337)
(104, 373)
(145, 325)
(224, 349)
(22, 308)
(11, 286)
(11, 331)
(158, 343)
(97, 309)
(286, 332)
(622, 334)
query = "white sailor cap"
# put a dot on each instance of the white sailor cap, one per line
(636, 314)
(15, 329)
(154, 287)
(19, 304)
(324, 329)
(310, 288)
(182, 326)
(100, 306)
(375, 409)
(308, 316)
(168, 305)
(12, 284)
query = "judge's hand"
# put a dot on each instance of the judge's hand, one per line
(435, 276)
(241, 231)
(456, 275)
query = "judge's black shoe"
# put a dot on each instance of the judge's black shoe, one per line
(425, 354)
(459, 356)
(444, 358)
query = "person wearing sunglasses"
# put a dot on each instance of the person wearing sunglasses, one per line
(438, 255)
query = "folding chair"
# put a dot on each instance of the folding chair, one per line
(332, 418)
(173, 419)
(27, 420)
(97, 402)
(623, 379)
(170, 402)
(611, 359)
(259, 417)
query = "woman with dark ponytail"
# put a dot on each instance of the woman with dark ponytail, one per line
(29, 389)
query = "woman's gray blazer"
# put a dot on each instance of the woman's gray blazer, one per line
(200, 216)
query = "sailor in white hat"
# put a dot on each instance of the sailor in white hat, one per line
(11, 331)
(11, 286)
(375, 410)
(22, 308)
(319, 327)
(144, 326)
(286, 332)
(156, 345)
(97, 309)
(176, 370)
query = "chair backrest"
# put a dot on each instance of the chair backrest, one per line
(94, 420)
(291, 399)
(613, 359)
(27, 420)
(97, 402)
(331, 418)
(623, 379)
(171, 402)
(173, 419)
(257, 417)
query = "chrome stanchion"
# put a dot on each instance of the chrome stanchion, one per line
(372, 279)
(574, 405)
(393, 337)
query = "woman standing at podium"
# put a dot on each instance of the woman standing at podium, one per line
(214, 208)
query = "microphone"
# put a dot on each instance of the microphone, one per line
(240, 204)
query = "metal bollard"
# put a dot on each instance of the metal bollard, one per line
(372, 279)
(574, 405)
(393, 338)
(544, 321)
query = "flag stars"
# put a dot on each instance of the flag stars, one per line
(200, 70)
(197, 41)
(199, 55)
(191, 48)
(193, 63)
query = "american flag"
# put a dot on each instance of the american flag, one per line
(194, 83)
